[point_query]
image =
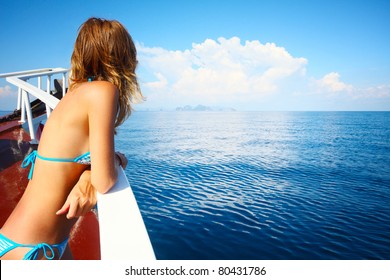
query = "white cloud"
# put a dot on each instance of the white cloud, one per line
(5, 91)
(331, 83)
(162, 82)
(229, 72)
(217, 71)
(8, 98)
(381, 91)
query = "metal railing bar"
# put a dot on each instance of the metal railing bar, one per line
(25, 72)
(37, 74)
(50, 100)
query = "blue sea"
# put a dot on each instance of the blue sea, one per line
(262, 185)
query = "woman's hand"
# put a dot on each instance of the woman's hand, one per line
(81, 199)
(121, 158)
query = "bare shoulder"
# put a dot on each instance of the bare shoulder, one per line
(100, 93)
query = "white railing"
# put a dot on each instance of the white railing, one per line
(25, 89)
(123, 235)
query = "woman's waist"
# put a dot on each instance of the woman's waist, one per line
(33, 224)
(59, 175)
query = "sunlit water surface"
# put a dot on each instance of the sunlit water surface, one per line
(262, 185)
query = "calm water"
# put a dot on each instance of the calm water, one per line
(262, 185)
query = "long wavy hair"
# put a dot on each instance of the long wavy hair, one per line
(105, 51)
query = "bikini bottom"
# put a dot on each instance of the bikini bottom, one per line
(7, 245)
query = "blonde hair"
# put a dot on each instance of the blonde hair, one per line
(105, 51)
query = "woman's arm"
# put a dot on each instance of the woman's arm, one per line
(81, 199)
(102, 98)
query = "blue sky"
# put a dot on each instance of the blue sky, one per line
(250, 55)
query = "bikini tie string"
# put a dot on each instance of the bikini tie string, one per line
(33, 254)
(30, 159)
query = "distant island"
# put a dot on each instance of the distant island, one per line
(203, 108)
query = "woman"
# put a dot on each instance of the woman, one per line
(78, 134)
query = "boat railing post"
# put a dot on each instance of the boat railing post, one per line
(63, 84)
(29, 115)
(19, 99)
(23, 108)
(40, 82)
(48, 82)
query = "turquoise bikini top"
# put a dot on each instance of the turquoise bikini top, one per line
(30, 159)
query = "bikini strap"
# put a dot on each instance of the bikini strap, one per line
(7, 245)
(30, 159)
(34, 252)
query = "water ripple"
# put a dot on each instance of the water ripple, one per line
(262, 185)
